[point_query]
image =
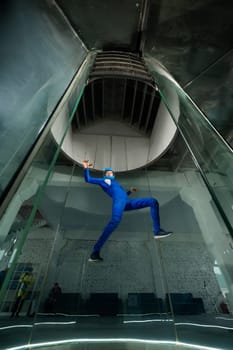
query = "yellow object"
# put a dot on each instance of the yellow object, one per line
(25, 282)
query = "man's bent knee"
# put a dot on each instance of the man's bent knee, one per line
(154, 201)
(115, 221)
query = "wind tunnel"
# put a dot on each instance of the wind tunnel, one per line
(175, 293)
(120, 120)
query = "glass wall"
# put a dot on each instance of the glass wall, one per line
(196, 259)
(167, 293)
(173, 292)
(33, 77)
(212, 154)
(23, 275)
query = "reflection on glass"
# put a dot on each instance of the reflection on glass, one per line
(196, 258)
(212, 155)
(48, 56)
(145, 291)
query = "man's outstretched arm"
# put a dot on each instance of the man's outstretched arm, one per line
(87, 176)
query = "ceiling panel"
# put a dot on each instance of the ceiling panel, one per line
(105, 24)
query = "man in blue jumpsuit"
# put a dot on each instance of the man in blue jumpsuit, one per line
(120, 203)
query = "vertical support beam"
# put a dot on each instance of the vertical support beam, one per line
(142, 105)
(133, 105)
(103, 112)
(149, 110)
(143, 20)
(84, 109)
(77, 122)
(123, 101)
(93, 100)
(113, 96)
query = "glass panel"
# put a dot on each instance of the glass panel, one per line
(187, 39)
(146, 292)
(212, 155)
(32, 84)
(211, 91)
(28, 243)
(196, 259)
(107, 299)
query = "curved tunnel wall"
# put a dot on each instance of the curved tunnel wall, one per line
(110, 142)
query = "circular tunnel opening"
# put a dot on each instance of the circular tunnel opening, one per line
(120, 121)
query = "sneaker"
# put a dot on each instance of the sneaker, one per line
(162, 234)
(95, 257)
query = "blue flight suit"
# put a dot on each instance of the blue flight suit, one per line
(120, 204)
